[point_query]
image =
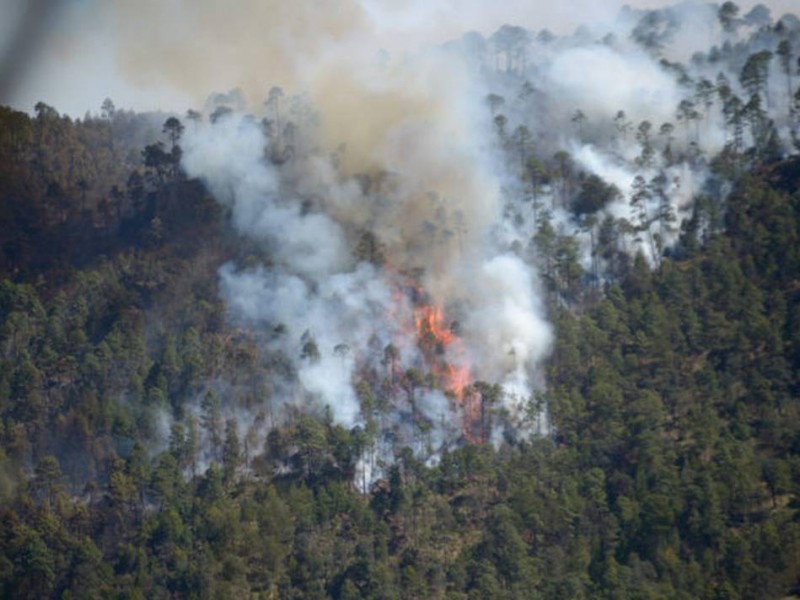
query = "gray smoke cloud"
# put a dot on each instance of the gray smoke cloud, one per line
(404, 147)
(421, 141)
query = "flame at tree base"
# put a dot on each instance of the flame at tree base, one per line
(444, 363)
(442, 350)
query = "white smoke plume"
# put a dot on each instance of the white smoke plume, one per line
(664, 72)
(412, 169)
(396, 188)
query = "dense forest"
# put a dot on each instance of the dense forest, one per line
(147, 449)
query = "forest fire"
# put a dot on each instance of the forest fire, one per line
(442, 349)
(444, 363)
(445, 357)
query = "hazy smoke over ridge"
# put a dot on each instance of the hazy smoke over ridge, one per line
(169, 54)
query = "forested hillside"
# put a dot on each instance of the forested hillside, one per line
(161, 437)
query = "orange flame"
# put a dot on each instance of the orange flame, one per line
(437, 341)
(443, 354)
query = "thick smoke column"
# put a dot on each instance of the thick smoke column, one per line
(390, 209)
(412, 173)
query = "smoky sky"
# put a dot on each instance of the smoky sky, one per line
(170, 54)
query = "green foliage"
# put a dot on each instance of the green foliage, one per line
(671, 470)
(594, 195)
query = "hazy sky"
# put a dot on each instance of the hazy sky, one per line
(167, 54)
